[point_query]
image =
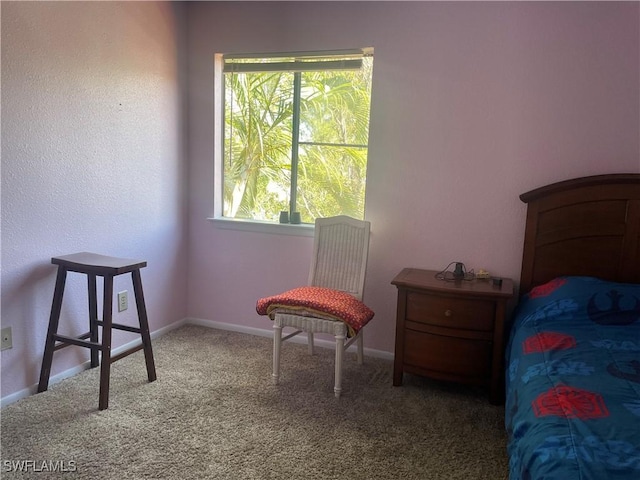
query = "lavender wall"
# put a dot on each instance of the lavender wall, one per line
(93, 159)
(473, 104)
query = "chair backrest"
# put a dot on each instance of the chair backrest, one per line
(340, 250)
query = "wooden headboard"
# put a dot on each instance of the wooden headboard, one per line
(584, 226)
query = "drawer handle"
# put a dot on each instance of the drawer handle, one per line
(448, 313)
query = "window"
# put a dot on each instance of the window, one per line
(295, 132)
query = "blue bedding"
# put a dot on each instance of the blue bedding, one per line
(573, 382)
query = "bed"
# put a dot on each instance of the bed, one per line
(572, 407)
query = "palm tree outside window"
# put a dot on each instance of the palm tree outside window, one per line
(295, 134)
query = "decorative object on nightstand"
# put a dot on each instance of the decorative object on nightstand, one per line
(451, 330)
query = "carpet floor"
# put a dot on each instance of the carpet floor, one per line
(213, 413)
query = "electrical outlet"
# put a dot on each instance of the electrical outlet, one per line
(123, 301)
(7, 341)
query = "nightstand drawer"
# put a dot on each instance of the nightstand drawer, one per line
(448, 355)
(452, 312)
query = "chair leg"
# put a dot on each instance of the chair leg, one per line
(360, 345)
(105, 360)
(277, 341)
(310, 342)
(339, 354)
(54, 319)
(93, 317)
(144, 325)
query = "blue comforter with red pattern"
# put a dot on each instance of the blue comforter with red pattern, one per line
(573, 382)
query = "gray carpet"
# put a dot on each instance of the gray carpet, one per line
(214, 414)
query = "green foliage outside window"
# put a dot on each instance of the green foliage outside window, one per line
(320, 150)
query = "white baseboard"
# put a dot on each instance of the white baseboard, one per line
(33, 389)
(14, 397)
(320, 342)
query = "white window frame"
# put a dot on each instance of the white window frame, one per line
(219, 220)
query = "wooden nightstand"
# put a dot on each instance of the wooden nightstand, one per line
(451, 330)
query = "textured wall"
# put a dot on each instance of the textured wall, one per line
(93, 159)
(473, 104)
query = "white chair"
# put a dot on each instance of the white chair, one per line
(341, 247)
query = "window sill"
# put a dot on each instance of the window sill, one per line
(301, 230)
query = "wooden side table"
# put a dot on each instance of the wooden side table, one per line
(451, 330)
